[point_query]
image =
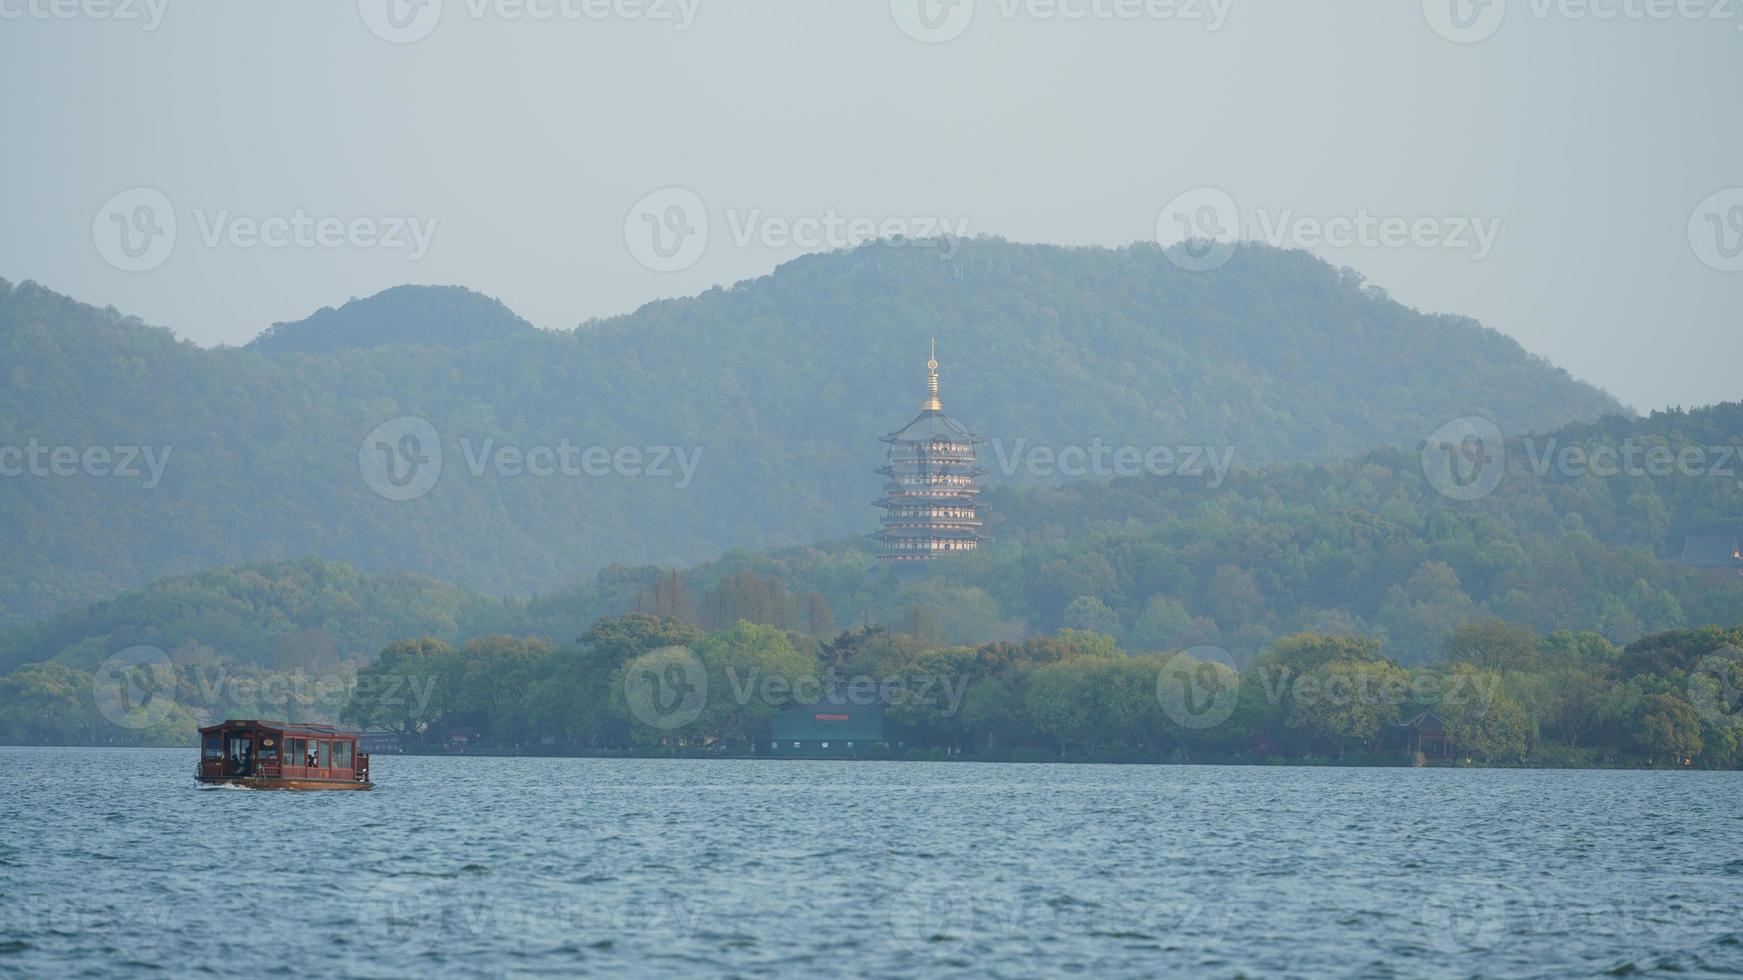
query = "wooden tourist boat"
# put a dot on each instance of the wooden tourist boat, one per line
(276, 755)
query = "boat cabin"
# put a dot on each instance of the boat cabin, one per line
(277, 755)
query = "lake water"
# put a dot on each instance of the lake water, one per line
(112, 863)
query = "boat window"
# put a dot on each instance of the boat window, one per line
(269, 749)
(240, 750)
(212, 747)
(326, 757)
(341, 755)
(295, 750)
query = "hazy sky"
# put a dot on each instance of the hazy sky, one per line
(1571, 173)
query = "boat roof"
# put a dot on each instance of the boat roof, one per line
(281, 726)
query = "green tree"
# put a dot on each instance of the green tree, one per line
(1493, 645)
(1346, 703)
(1481, 718)
(46, 704)
(399, 690)
(1667, 726)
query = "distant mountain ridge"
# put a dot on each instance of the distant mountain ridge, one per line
(778, 388)
(451, 316)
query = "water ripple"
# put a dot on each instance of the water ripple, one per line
(112, 864)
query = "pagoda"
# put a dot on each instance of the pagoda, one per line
(929, 503)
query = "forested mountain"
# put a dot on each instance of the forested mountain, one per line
(426, 316)
(741, 417)
(306, 614)
(1505, 614)
(1364, 546)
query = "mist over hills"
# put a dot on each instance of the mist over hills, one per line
(761, 405)
(1364, 545)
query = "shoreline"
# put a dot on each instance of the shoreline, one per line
(1314, 763)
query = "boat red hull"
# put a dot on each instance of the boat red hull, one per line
(267, 782)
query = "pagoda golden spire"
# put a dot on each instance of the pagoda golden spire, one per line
(932, 403)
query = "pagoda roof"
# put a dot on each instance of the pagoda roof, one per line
(932, 424)
(1711, 553)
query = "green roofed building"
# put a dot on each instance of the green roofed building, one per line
(828, 731)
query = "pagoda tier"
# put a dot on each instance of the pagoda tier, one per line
(929, 500)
